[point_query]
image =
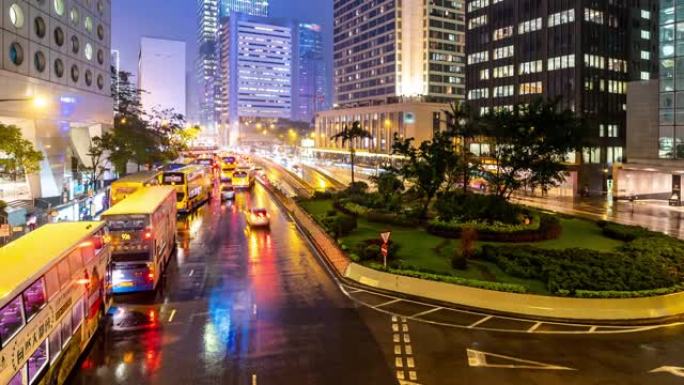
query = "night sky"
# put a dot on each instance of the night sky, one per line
(177, 19)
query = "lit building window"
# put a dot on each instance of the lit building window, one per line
(561, 62)
(558, 18)
(593, 15)
(530, 88)
(530, 26)
(503, 33)
(531, 67)
(503, 52)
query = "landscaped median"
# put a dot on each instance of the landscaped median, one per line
(559, 267)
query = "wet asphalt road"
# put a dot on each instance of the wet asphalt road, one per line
(239, 306)
(251, 307)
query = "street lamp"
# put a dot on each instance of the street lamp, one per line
(38, 101)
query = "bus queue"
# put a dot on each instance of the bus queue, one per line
(60, 279)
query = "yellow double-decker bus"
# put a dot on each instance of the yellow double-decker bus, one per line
(142, 229)
(55, 287)
(193, 186)
(123, 187)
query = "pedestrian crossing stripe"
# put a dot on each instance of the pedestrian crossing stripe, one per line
(477, 358)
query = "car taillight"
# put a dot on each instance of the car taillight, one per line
(147, 235)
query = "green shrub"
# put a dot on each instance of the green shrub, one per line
(477, 208)
(459, 261)
(570, 270)
(369, 250)
(331, 213)
(542, 227)
(624, 233)
(339, 225)
(322, 195)
(373, 215)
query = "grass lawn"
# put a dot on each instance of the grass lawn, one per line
(426, 251)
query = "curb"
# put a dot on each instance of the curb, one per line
(637, 311)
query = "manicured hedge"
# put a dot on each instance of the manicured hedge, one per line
(497, 286)
(547, 227)
(571, 270)
(625, 233)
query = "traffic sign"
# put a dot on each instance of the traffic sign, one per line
(385, 236)
(384, 249)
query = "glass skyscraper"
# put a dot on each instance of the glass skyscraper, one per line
(311, 80)
(249, 7)
(671, 51)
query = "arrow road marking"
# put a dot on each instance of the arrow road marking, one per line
(477, 358)
(673, 370)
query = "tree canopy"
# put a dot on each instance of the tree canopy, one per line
(20, 157)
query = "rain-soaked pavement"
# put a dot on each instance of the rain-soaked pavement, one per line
(255, 307)
(239, 306)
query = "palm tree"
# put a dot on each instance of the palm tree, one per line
(350, 135)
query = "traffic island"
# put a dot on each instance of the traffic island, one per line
(488, 283)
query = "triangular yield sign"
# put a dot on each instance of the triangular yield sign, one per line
(477, 358)
(385, 236)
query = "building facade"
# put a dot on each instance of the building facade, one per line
(55, 64)
(256, 71)
(310, 83)
(408, 119)
(161, 74)
(386, 49)
(249, 7)
(584, 53)
(207, 65)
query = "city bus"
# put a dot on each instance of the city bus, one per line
(193, 186)
(123, 187)
(228, 166)
(243, 178)
(142, 231)
(55, 288)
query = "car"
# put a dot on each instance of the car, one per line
(227, 193)
(258, 217)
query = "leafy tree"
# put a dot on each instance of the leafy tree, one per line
(463, 125)
(98, 153)
(21, 158)
(530, 145)
(351, 135)
(426, 166)
(388, 184)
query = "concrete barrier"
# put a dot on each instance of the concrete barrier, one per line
(576, 309)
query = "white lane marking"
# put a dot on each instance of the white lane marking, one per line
(254, 379)
(477, 358)
(173, 313)
(534, 327)
(191, 273)
(387, 303)
(482, 320)
(592, 329)
(673, 370)
(422, 313)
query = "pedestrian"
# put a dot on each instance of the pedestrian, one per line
(32, 222)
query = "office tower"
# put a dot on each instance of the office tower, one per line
(582, 52)
(310, 81)
(207, 64)
(387, 49)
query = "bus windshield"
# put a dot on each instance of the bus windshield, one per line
(172, 178)
(119, 224)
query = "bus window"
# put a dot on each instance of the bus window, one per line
(64, 273)
(76, 261)
(126, 224)
(34, 298)
(11, 320)
(17, 379)
(66, 331)
(52, 282)
(77, 315)
(37, 361)
(55, 345)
